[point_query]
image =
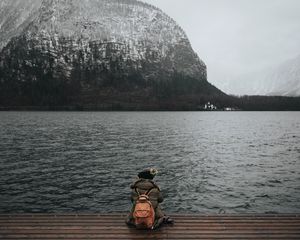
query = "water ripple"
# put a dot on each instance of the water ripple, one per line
(209, 162)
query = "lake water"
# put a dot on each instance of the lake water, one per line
(208, 162)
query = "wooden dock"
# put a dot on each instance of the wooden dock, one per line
(104, 227)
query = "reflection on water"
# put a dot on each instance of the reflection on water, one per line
(208, 161)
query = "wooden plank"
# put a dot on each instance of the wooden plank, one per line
(169, 236)
(210, 226)
(177, 231)
(177, 220)
(176, 225)
(96, 216)
(99, 226)
(173, 215)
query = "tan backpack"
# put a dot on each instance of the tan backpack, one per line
(143, 214)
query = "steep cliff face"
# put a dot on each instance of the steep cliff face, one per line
(56, 52)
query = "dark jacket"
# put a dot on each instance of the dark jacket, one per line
(155, 196)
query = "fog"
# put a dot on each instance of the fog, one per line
(236, 37)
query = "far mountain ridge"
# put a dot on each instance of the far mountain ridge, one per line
(284, 80)
(280, 80)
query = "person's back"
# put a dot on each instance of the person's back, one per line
(146, 186)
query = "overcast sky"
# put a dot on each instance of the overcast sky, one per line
(236, 37)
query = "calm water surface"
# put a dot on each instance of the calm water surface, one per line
(209, 162)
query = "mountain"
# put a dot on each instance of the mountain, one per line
(284, 80)
(280, 80)
(94, 52)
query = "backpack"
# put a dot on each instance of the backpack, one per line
(143, 214)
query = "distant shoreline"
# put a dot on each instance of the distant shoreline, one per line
(95, 109)
(208, 103)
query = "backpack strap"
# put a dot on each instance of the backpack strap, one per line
(149, 191)
(137, 192)
(146, 193)
(155, 185)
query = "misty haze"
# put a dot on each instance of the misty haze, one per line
(153, 111)
(250, 47)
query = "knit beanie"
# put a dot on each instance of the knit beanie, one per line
(149, 173)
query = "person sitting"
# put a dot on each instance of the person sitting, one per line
(146, 197)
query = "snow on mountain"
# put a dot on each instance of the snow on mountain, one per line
(86, 46)
(280, 80)
(283, 80)
(139, 25)
(15, 15)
